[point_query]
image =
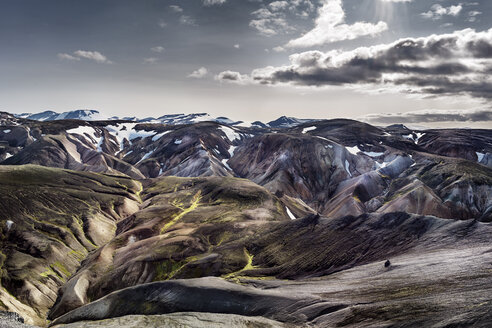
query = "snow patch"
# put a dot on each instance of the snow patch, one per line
(141, 134)
(353, 150)
(311, 128)
(347, 167)
(245, 124)
(132, 239)
(8, 155)
(419, 135)
(9, 224)
(84, 130)
(145, 156)
(88, 131)
(224, 162)
(160, 135)
(289, 213)
(409, 137)
(178, 141)
(372, 153)
(480, 156)
(230, 133)
(127, 131)
(99, 144)
(231, 150)
(6, 131)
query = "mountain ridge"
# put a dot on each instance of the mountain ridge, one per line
(173, 119)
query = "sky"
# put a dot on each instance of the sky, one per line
(382, 61)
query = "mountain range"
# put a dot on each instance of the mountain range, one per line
(173, 119)
(204, 222)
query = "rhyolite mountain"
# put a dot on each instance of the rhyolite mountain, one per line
(191, 221)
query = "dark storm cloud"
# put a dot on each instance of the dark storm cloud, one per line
(432, 116)
(458, 63)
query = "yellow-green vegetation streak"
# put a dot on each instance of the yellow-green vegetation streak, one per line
(249, 266)
(168, 269)
(195, 202)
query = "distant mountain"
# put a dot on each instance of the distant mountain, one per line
(171, 119)
(288, 122)
(81, 114)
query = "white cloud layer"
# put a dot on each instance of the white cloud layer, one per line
(90, 55)
(213, 2)
(158, 49)
(432, 116)
(150, 60)
(330, 27)
(437, 11)
(199, 73)
(272, 19)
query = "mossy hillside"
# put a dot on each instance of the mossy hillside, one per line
(187, 228)
(49, 220)
(451, 170)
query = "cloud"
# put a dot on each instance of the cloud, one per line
(158, 49)
(437, 11)
(213, 2)
(67, 57)
(150, 60)
(459, 63)
(330, 27)
(278, 5)
(396, 0)
(232, 77)
(92, 55)
(187, 20)
(272, 19)
(199, 73)
(472, 15)
(269, 23)
(176, 9)
(83, 54)
(432, 116)
(162, 24)
(237, 46)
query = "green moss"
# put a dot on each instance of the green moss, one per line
(195, 202)
(249, 266)
(168, 269)
(58, 265)
(48, 272)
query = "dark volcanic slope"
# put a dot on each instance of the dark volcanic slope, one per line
(419, 288)
(51, 220)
